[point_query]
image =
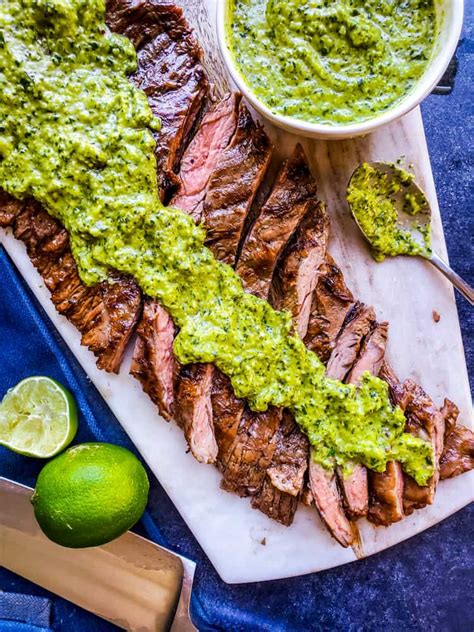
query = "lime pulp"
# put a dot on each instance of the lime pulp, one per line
(38, 417)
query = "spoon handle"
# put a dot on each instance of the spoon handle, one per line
(466, 290)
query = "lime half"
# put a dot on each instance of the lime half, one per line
(38, 418)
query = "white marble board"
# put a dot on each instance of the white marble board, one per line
(243, 544)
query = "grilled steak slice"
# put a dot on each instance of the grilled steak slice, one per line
(153, 361)
(169, 72)
(227, 412)
(194, 410)
(332, 300)
(203, 154)
(284, 480)
(371, 354)
(292, 196)
(278, 505)
(348, 343)
(458, 451)
(426, 421)
(225, 202)
(105, 314)
(296, 274)
(355, 486)
(323, 484)
(251, 452)
(233, 185)
(10, 208)
(386, 488)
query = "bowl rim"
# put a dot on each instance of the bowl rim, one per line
(422, 89)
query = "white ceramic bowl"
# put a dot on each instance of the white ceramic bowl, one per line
(450, 18)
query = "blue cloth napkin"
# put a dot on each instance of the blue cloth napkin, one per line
(425, 584)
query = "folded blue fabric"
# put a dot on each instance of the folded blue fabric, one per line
(25, 609)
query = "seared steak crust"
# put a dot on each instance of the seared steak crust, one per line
(458, 452)
(251, 452)
(169, 72)
(297, 273)
(105, 314)
(332, 301)
(233, 186)
(292, 196)
(357, 325)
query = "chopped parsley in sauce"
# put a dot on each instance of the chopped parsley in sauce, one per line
(75, 136)
(331, 61)
(375, 197)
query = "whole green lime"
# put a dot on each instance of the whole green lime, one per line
(90, 494)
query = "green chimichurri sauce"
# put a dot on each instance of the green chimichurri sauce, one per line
(74, 135)
(374, 197)
(331, 61)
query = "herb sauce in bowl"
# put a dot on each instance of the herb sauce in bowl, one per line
(331, 61)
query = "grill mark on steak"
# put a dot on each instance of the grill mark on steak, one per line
(332, 301)
(233, 186)
(356, 326)
(203, 154)
(292, 196)
(153, 362)
(355, 486)
(386, 488)
(296, 274)
(284, 480)
(458, 451)
(170, 73)
(106, 313)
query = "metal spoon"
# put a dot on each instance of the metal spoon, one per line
(415, 225)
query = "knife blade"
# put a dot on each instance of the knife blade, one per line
(131, 582)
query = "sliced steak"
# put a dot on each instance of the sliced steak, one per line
(285, 477)
(426, 421)
(204, 153)
(233, 185)
(332, 301)
(227, 412)
(297, 273)
(194, 410)
(292, 196)
(10, 208)
(348, 343)
(221, 200)
(327, 499)
(458, 451)
(386, 488)
(355, 486)
(169, 71)
(105, 314)
(251, 452)
(153, 361)
(371, 354)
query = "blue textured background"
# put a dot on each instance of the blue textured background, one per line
(424, 584)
